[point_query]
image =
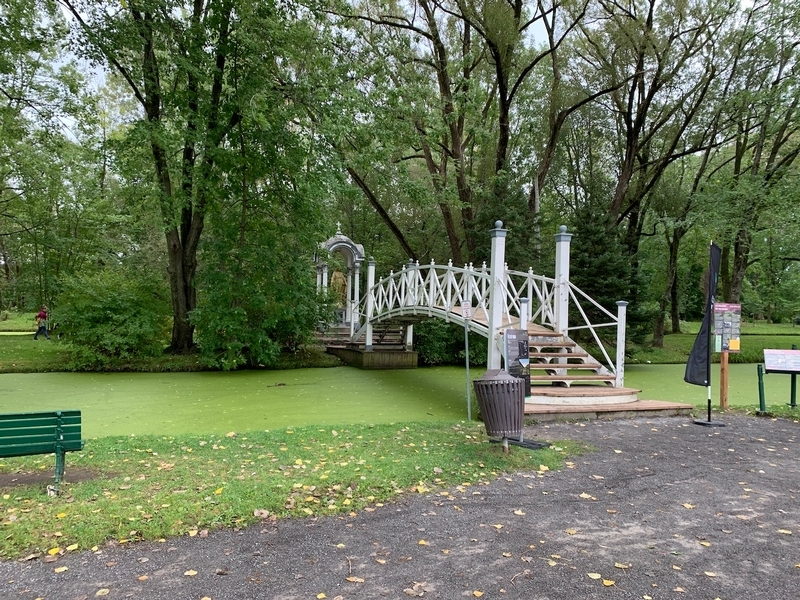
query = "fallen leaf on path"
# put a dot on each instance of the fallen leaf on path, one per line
(190, 573)
(680, 590)
(143, 578)
(621, 565)
(594, 575)
(320, 596)
(423, 543)
(60, 569)
(380, 561)
(102, 592)
(710, 573)
(687, 505)
(477, 593)
(354, 579)
(785, 531)
(571, 531)
(608, 582)
(706, 544)
(519, 513)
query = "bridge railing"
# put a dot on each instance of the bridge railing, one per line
(441, 290)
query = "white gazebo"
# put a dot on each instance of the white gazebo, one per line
(353, 255)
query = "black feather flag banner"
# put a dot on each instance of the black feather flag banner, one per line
(698, 366)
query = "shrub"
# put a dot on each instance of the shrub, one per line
(112, 316)
(438, 342)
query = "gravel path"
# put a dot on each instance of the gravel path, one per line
(662, 508)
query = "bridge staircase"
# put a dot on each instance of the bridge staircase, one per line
(562, 372)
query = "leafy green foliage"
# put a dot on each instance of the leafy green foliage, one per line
(440, 343)
(111, 316)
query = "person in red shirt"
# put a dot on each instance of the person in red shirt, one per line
(41, 323)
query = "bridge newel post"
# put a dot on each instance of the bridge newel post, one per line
(411, 300)
(524, 313)
(561, 301)
(355, 316)
(622, 311)
(370, 302)
(496, 300)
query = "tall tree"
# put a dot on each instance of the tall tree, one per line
(195, 72)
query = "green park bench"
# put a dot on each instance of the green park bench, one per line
(27, 434)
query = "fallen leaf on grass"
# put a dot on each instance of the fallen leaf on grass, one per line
(54, 551)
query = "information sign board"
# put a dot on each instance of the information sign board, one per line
(517, 361)
(727, 327)
(781, 361)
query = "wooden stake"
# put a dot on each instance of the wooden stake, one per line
(723, 381)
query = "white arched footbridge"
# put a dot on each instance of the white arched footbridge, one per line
(494, 298)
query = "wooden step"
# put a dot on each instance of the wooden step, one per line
(532, 344)
(579, 395)
(568, 380)
(570, 366)
(558, 355)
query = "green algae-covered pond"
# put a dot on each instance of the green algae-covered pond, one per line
(211, 402)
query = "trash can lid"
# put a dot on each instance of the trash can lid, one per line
(496, 375)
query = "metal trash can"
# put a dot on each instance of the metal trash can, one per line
(501, 399)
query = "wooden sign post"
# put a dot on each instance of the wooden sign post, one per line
(727, 332)
(723, 381)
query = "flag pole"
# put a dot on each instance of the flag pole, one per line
(712, 290)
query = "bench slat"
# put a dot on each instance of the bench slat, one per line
(38, 430)
(38, 448)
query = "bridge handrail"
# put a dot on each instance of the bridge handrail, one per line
(439, 290)
(574, 292)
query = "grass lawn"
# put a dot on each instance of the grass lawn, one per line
(151, 487)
